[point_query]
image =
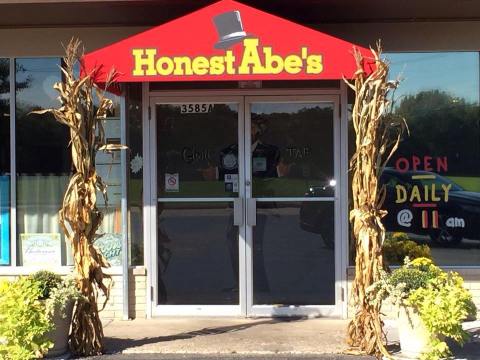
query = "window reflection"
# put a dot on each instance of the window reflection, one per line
(5, 162)
(293, 253)
(433, 180)
(135, 172)
(292, 149)
(197, 251)
(44, 168)
(197, 150)
(43, 163)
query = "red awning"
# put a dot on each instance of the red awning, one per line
(226, 41)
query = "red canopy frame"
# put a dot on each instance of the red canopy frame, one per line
(226, 41)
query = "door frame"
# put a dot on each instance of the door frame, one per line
(150, 199)
(289, 310)
(194, 310)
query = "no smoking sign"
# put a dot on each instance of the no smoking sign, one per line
(171, 183)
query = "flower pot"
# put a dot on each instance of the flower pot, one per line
(414, 336)
(59, 335)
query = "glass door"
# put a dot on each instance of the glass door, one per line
(199, 242)
(292, 168)
(246, 206)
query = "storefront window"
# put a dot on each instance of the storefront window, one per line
(4, 162)
(135, 172)
(44, 168)
(43, 165)
(108, 166)
(433, 180)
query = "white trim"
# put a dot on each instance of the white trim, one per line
(344, 216)
(186, 310)
(147, 216)
(248, 195)
(212, 199)
(245, 307)
(294, 199)
(196, 310)
(337, 208)
(62, 270)
(13, 169)
(303, 310)
(242, 229)
(295, 310)
(124, 205)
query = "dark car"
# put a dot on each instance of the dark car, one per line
(418, 202)
(438, 207)
(319, 219)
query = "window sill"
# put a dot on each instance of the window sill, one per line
(64, 270)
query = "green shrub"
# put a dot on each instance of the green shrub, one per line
(47, 281)
(23, 320)
(440, 298)
(398, 245)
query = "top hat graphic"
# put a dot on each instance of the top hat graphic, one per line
(230, 29)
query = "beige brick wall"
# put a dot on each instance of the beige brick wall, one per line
(470, 276)
(137, 296)
(114, 307)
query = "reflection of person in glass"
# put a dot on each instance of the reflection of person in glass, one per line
(266, 163)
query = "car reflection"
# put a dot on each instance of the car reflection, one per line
(426, 196)
(316, 219)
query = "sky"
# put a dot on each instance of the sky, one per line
(454, 72)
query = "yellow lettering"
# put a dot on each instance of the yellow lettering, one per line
(217, 66)
(273, 63)
(229, 60)
(401, 194)
(434, 197)
(200, 65)
(314, 64)
(415, 195)
(165, 66)
(184, 61)
(425, 188)
(446, 190)
(144, 58)
(250, 58)
(293, 64)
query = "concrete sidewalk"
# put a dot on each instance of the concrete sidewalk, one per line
(263, 336)
(226, 336)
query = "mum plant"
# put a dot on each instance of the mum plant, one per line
(438, 297)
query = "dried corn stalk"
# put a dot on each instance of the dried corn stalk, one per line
(79, 215)
(377, 135)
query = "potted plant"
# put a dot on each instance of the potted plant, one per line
(23, 320)
(432, 306)
(59, 296)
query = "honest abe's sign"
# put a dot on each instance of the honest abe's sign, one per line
(255, 60)
(226, 41)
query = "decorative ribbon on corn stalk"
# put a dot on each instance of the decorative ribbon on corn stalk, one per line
(377, 136)
(84, 106)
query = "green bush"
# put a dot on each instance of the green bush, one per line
(47, 281)
(398, 245)
(440, 298)
(23, 320)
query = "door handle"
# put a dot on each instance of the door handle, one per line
(251, 212)
(237, 211)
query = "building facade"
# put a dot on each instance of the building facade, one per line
(233, 196)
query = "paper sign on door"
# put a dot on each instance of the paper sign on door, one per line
(171, 183)
(231, 182)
